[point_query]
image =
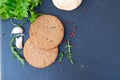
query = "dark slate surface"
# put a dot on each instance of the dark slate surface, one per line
(96, 51)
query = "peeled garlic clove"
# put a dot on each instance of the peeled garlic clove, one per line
(17, 30)
(19, 42)
(67, 5)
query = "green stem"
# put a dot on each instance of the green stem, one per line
(15, 53)
(69, 46)
(69, 51)
(61, 57)
(19, 25)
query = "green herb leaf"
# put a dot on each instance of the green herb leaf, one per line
(33, 16)
(18, 9)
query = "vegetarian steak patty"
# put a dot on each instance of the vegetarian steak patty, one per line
(37, 57)
(47, 32)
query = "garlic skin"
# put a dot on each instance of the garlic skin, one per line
(67, 5)
(17, 30)
(19, 42)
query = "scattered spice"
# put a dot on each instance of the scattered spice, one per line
(53, 27)
(72, 34)
(73, 45)
(85, 9)
(75, 29)
(68, 23)
(59, 62)
(48, 31)
(65, 40)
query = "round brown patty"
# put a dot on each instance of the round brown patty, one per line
(37, 57)
(47, 32)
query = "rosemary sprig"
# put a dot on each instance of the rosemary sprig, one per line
(68, 52)
(69, 55)
(19, 25)
(14, 51)
(61, 57)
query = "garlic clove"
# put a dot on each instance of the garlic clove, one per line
(19, 42)
(17, 30)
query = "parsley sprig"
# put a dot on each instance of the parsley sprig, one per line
(19, 9)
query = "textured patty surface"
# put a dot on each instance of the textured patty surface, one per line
(37, 57)
(47, 32)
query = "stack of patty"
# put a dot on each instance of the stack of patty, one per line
(46, 33)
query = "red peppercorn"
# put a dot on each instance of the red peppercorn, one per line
(72, 34)
(59, 62)
(75, 28)
(66, 22)
(65, 40)
(70, 23)
(73, 45)
(85, 10)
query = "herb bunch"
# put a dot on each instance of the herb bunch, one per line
(15, 50)
(19, 9)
